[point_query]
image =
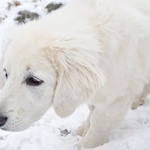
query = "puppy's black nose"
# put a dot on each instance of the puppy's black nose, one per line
(3, 120)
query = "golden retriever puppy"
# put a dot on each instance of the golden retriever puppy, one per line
(90, 51)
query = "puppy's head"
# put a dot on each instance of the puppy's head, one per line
(30, 80)
(44, 68)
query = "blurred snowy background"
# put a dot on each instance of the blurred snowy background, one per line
(53, 132)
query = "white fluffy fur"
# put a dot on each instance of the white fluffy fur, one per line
(91, 51)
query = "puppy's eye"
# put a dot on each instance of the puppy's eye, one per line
(33, 81)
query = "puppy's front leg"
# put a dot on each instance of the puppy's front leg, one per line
(102, 122)
(94, 136)
(81, 130)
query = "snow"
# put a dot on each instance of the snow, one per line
(48, 132)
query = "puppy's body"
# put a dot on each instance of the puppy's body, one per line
(97, 52)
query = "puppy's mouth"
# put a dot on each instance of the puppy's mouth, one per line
(12, 125)
(13, 128)
(3, 128)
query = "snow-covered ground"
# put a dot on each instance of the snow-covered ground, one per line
(54, 133)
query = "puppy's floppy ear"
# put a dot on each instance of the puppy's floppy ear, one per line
(78, 80)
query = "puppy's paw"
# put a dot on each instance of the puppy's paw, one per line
(81, 131)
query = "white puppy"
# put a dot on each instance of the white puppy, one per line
(90, 51)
